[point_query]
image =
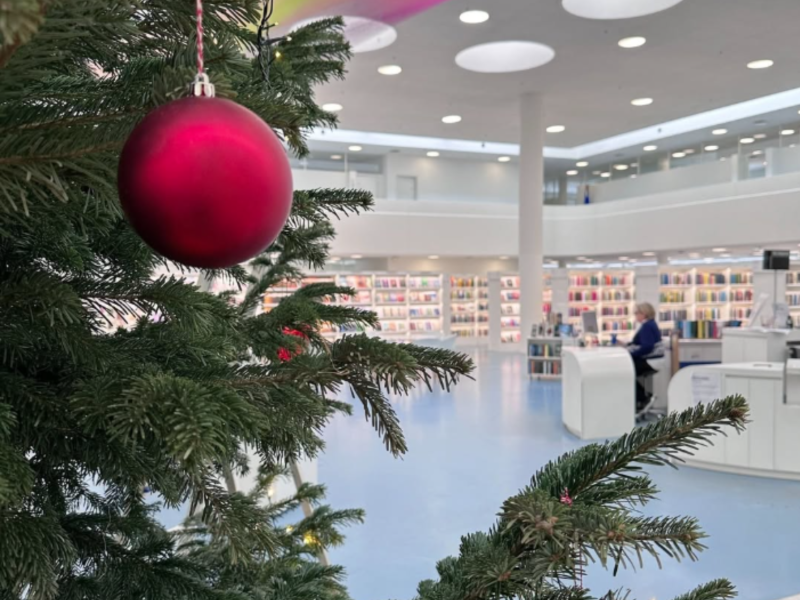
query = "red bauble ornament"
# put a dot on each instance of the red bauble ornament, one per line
(205, 182)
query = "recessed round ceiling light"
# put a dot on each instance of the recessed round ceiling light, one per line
(726, 255)
(621, 167)
(503, 158)
(582, 163)
(760, 136)
(719, 132)
(355, 148)
(757, 153)
(747, 140)
(605, 175)
(624, 257)
(432, 154)
(336, 157)
(688, 151)
(451, 119)
(334, 259)
(503, 258)
(595, 172)
(356, 256)
(719, 250)
(760, 64)
(616, 9)
(632, 42)
(473, 17)
(648, 253)
(572, 173)
(633, 176)
(711, 148)
(678, 154)
(694, 255)
(390, 70)
(787, 132)
(504, 57)
(642, 101)
(555, 129)
(364, 35)
(650, 148)
(332, 107)
(434, 257)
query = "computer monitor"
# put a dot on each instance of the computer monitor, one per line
(589, 319)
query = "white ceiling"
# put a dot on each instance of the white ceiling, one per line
(694, 61)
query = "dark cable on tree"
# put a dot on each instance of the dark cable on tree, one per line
(263, 41)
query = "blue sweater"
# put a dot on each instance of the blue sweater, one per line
(645, 339)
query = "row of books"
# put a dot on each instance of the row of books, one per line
(615, 311)
(703, 330)
(539, 367)
(469, 319)
(707, 296)
(468, 282)
(544, 349)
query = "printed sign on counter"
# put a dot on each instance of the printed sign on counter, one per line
(706, 387)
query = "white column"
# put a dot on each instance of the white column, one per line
(531, 213)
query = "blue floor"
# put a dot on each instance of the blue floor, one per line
(471, 449)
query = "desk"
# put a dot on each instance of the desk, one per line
(770, 446)
(598, 394)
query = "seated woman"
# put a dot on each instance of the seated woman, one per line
(646, 344)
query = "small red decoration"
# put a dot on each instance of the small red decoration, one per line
(565, 499)
(205, 182)
(285, 355)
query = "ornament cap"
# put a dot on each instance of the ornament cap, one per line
(202, 86)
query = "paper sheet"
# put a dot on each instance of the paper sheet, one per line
(706, 387)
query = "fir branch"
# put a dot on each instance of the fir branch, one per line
(657, 444)
(719, 589)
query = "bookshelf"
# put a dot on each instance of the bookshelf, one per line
(793, 296)
(469, 306)
(544, 356)
(699, 301)
(510, 326)
(611, 293)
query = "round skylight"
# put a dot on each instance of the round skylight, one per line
(556, 129)
(451, 119)
(642, 101)
(504, 57)
(616, 9)
(364, 35)
(332, 107)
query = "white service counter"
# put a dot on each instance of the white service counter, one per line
(770, 446)
(598, 393)
(744, 345)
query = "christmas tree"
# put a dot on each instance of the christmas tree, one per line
(96, 422)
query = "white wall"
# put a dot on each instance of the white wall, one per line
(441, 179)
(753, 212)
(309, 179)
(682, 178)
